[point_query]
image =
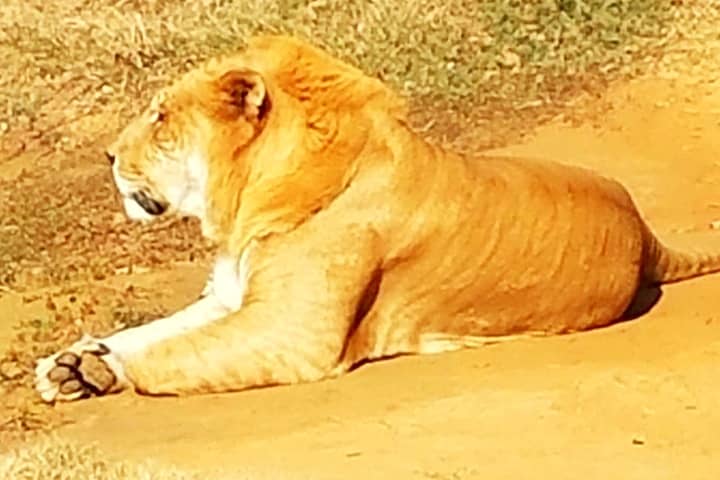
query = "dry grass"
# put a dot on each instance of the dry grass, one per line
(57, 459)
(53, 457)
(67, 314)
(77, 69)
(53, 232)
(89, 54)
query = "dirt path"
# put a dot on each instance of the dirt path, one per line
(634, 401)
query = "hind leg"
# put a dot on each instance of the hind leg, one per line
(441, 342)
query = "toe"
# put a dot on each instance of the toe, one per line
(60, 374)
(96, 373)
(72, 386)
(68, 359)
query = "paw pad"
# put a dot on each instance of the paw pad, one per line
(75, 373)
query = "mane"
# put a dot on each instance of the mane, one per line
(280, 189)
(319, 79)
(307, 73)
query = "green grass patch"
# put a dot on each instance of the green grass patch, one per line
(83, 56)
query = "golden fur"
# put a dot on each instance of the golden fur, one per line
(363, 240)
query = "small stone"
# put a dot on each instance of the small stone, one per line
(37, 271)
(10, 371)
(122, 271)
(118, 218)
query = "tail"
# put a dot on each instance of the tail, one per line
(665, 265)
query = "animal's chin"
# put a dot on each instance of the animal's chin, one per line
(140, 206)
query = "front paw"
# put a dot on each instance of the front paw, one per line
(84, 369)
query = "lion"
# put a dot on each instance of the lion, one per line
(344, 237)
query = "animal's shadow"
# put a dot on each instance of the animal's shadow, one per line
(645, 299)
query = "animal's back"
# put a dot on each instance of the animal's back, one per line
(522, 246)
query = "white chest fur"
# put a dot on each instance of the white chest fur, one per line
(224, 295)
(229, 280)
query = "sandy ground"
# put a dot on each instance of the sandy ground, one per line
(633, 401)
